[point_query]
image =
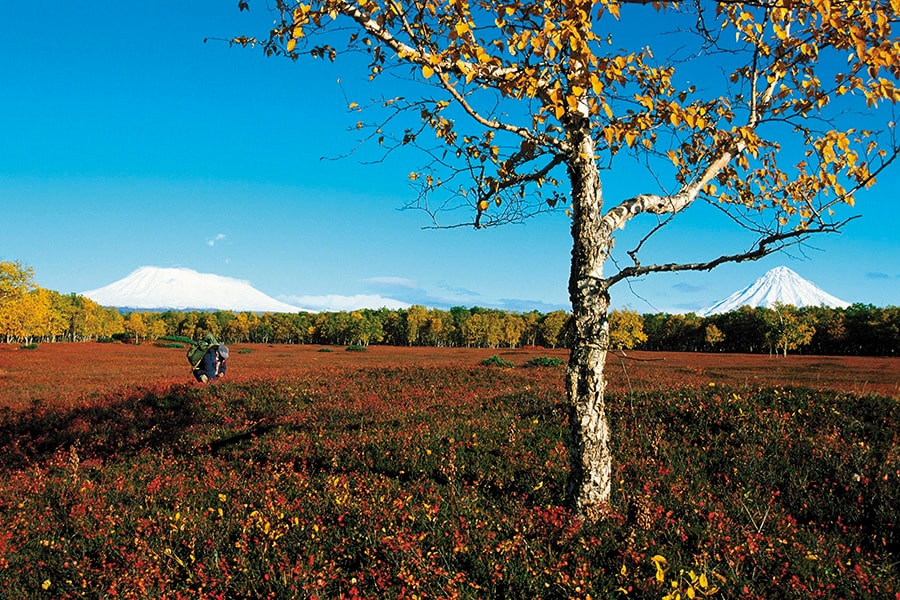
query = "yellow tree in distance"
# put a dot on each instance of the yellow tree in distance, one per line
(775, 112)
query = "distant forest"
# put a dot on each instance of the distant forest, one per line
(40, 315)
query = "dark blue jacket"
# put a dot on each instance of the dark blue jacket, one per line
(207, 364)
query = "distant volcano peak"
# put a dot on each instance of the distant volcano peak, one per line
(778, 285)
(160, 288)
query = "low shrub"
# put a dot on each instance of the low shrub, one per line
(356, 348)
(245, 351)
(545, 361)
(182, 339)
(28, 346)
(496, 361)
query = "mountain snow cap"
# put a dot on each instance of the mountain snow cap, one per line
(159, 288)
(778, 285)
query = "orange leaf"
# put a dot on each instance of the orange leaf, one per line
(630, 137)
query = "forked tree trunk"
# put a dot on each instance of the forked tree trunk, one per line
(590, 460)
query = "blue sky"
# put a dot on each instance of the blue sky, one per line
(128, 141)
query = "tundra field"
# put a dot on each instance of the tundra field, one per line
(315, 472)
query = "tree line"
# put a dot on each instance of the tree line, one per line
(30, 314)
(859, 329)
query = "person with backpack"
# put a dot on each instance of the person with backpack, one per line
(208, 358)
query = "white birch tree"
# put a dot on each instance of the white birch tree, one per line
(529, 105)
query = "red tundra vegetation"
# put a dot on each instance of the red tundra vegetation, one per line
(441, 473)
(67, 374)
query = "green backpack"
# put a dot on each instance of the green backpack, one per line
(199, 347)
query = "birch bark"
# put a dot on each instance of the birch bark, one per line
(590, 460)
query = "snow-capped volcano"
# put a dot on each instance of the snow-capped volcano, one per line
(778, 285)
(181, 289)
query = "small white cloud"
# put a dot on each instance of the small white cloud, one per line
(396, 282)
(213, 241)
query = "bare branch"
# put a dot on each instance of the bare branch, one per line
(767, 245)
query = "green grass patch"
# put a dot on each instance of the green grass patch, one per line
(496, 361)
(181, 339)
(545, 361)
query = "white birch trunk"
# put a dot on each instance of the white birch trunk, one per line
(590, 460)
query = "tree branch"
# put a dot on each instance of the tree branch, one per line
(618, 216)
(767, 245)
(443, 68)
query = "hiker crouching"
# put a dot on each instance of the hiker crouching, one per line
(213, 364)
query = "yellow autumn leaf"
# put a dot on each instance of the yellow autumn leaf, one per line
(483, 205)
(292, 43)
(609, 134)
(630, 137)
(660, 562)
(462, 28)
(427, 71)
